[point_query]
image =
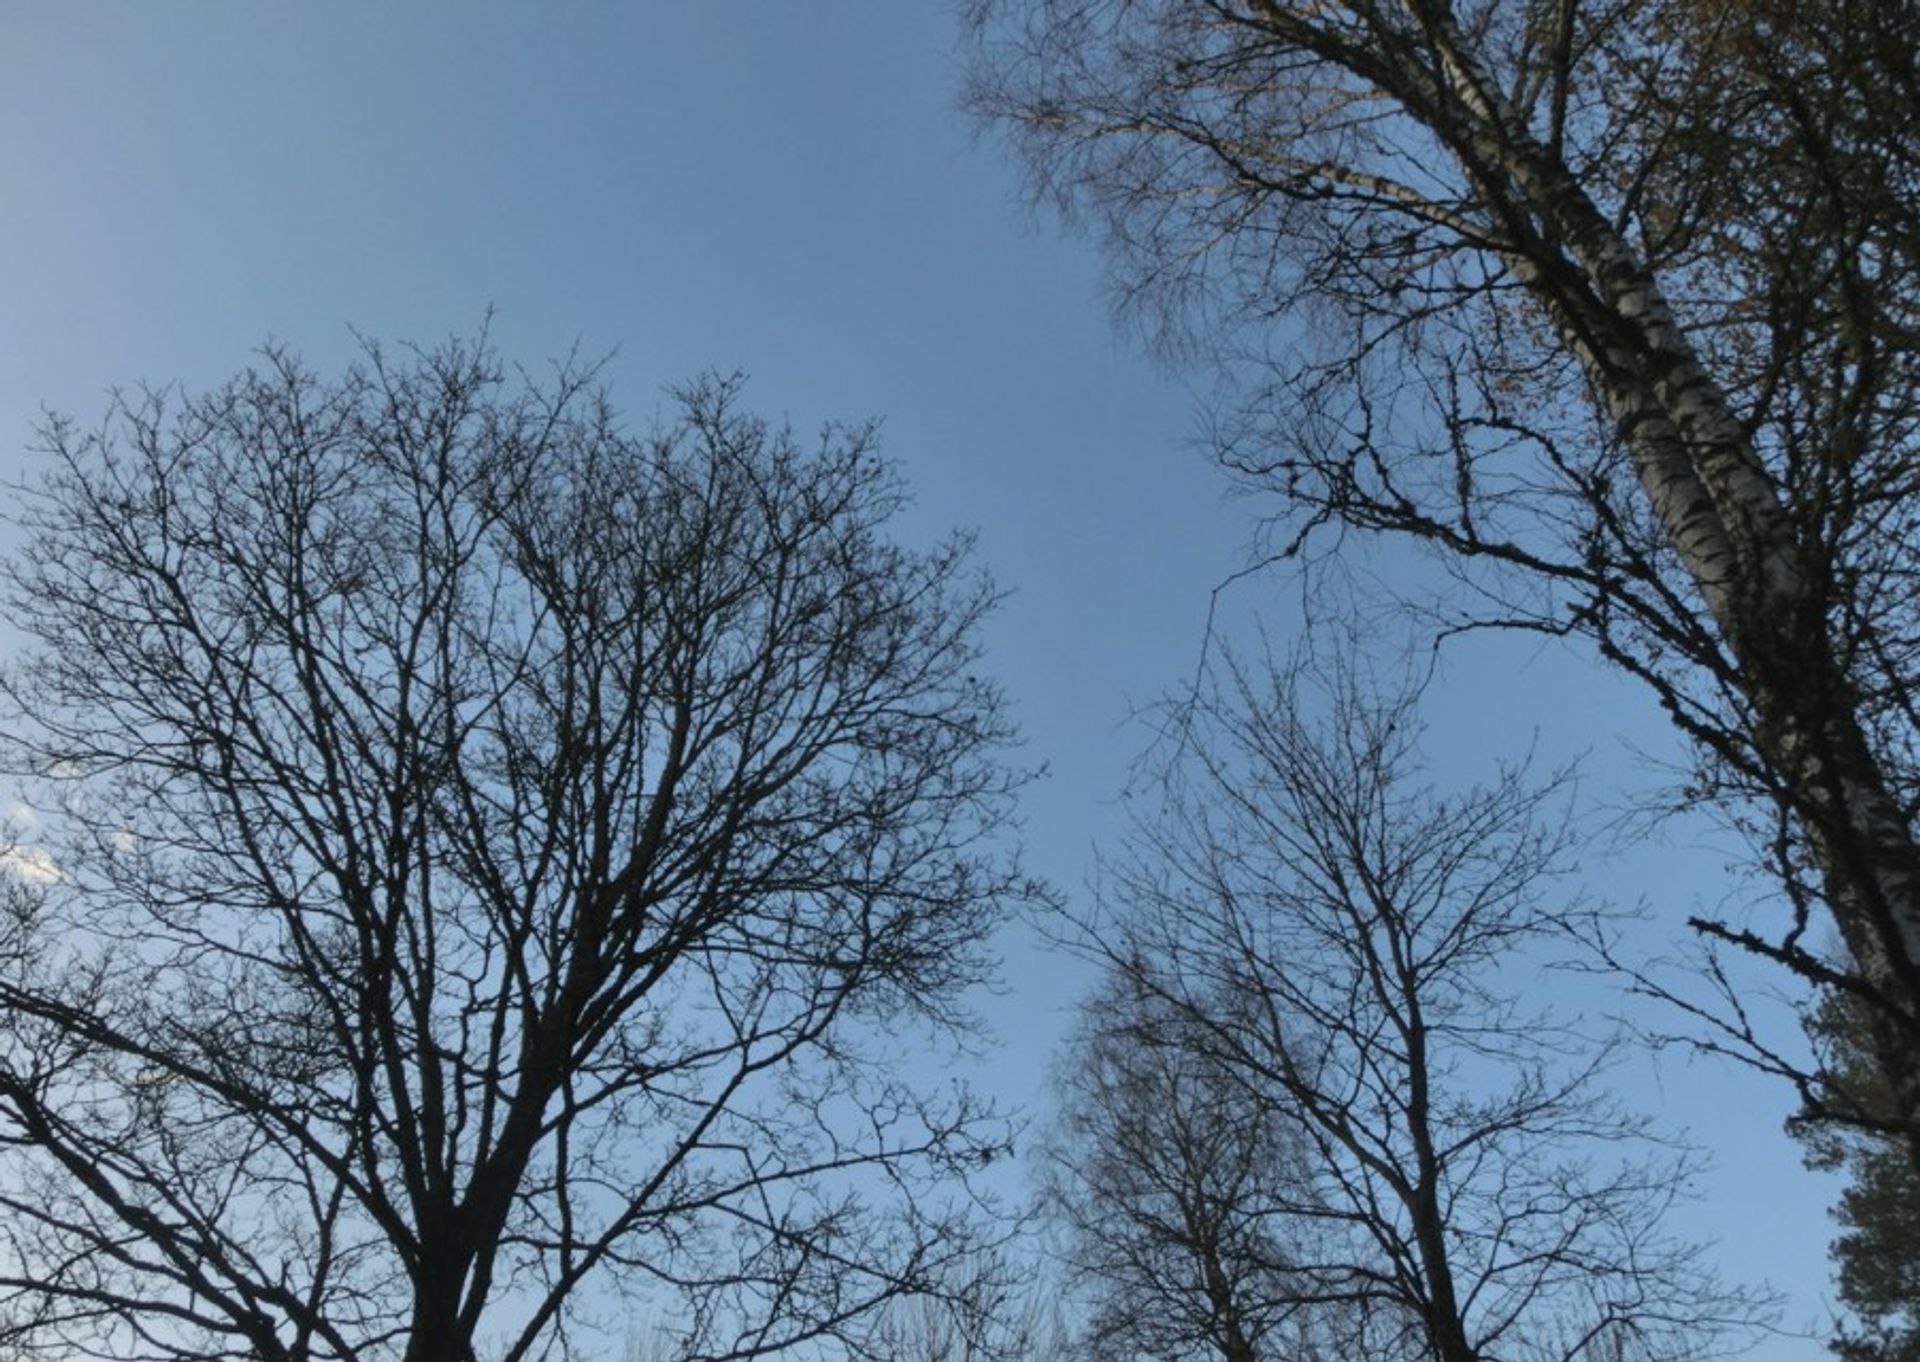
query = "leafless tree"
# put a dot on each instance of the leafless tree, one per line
(490, 858)
(1310, 1110)
(996, 1307)
(1609, 304)
(1182, 1207)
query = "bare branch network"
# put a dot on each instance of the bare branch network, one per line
(1608, 305)
(494, 851)
(1311, 1112)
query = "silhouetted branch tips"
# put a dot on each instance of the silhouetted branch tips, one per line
(487, 852)
(1306, 1113)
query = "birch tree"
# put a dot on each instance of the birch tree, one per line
(486, 855)
(1609, 304)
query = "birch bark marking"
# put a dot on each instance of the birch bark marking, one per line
(1719, 506)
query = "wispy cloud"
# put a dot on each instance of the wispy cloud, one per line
(29, 864)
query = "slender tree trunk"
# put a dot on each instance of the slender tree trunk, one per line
(1230, 1337)
(1446, 1327)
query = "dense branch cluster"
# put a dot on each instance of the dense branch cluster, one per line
(484, 846)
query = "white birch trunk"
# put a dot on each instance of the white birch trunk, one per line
(1720, 508)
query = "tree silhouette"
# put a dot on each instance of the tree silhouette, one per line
(492, 850)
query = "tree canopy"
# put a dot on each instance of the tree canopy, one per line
(486, 852)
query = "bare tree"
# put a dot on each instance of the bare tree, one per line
(995, 1307)
(491, 855)
(1606, 302)
(1181, 1206)
(1310, 1094)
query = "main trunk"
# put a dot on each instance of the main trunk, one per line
(435, 1332)
(1721, 510)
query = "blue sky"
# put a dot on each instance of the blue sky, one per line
(783, 189)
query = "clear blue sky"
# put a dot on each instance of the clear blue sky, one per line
(779, 188)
